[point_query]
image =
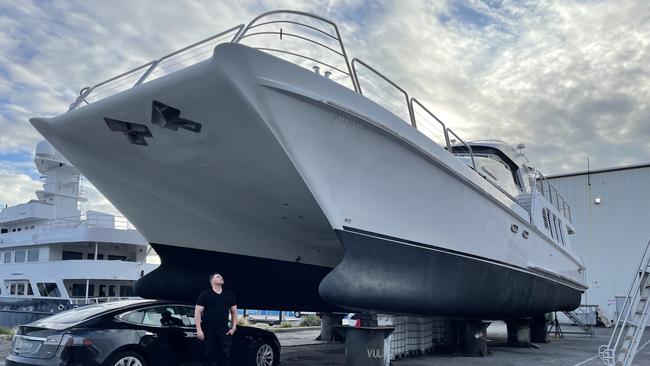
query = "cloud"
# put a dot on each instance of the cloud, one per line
(568, 79)
(16, 187)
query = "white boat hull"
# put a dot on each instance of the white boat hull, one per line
(288, 167)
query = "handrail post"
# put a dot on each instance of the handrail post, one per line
(147, 73)
(406, 96)
(469, 148)
(82, 96)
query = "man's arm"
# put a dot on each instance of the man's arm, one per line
(198, 313)
(233, 317)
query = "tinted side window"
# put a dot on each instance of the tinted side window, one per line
(160, 316)
(133, 316)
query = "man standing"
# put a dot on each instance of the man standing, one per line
(211, 318)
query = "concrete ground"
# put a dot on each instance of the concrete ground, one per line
(572, 350)
(300, 349)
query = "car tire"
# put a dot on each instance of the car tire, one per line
(263, 354)
(126, 358)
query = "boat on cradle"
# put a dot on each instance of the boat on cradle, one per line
(53, 256)
(312, 181)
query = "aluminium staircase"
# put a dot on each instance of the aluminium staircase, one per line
(623, 344)
(586, 329)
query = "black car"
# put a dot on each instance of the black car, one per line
(131, 333)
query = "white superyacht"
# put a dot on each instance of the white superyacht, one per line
(312, 181)
(53, 256)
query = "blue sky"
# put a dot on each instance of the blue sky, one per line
(570, 79)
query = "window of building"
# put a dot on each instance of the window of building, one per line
(7, 257)
(32, 255)
(72, 255)
(48, 289)
(19, 257)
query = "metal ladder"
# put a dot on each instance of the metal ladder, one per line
(586, 329)
(622, 346)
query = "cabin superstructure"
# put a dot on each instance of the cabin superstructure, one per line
(51, 250)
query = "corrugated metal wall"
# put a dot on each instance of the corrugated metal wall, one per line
(612, 235)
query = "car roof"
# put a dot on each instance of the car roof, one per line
(69, 318)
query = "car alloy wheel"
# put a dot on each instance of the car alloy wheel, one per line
(128, 361)
(264, 355)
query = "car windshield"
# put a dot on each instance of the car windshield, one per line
(82, 313)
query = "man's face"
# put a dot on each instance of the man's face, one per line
(217, 280)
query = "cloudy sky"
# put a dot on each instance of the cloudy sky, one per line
(569, 79)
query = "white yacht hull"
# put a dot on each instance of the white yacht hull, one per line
(293, 175)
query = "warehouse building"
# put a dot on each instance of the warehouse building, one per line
(610, 209)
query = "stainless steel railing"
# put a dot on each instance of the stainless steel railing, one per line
(553, 195)
(156, 68)
(321, 33)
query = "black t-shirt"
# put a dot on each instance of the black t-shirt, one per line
(216, 308)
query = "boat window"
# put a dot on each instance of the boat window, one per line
(19, 256)
(111, 290)
(32, 255)
(71, 255)
(18, 229)
(19, 287)
(545, 218)
(559, 224)
(48, 289)
(13, 230)
(102, 291)
(79, 290)
(126, 291)
(4, 231)
(32, 227)
(116, 258)
(550, 223)
(7, 257)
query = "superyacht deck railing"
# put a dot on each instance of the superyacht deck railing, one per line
(91, 220)
(261, 33)
(156, 68)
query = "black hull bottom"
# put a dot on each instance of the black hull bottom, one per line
(377, 273)
(258, 283)
(385, 275)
